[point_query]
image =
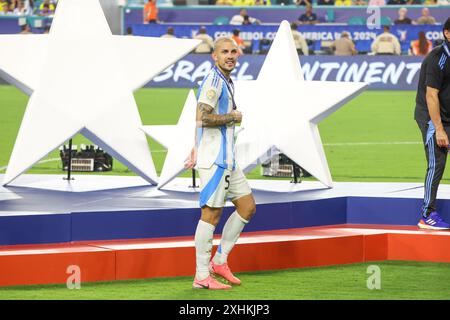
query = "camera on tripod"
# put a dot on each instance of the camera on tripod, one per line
(281, 166)
(90, 158)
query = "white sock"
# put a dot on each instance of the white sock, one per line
(231, 232)
(203, 245)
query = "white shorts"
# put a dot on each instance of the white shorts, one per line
(218, 184)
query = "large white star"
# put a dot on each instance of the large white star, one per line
(281, 110)
(178, 140)
(81, 79)
(280, 114)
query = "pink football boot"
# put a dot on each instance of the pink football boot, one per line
(210, 283)
(224, 271)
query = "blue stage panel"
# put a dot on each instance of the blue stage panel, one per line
(319, 212)
(392, 211)
(32, 215)
(134, 224)
(298, 214)
(169, 222)
(183, 222)
(35, 229)
(271, 216)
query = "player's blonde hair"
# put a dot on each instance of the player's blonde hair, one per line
(220, 40)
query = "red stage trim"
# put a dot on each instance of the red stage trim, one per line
(170, 257)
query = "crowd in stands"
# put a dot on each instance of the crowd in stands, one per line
(243, 19)
(28, 7)
(331, 2)
(150, 13)
(385, 43)
(245, 3)
(309, 17)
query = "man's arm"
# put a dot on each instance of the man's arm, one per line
(304, 46)
(435, 115)
(353, 48)
(207, 119)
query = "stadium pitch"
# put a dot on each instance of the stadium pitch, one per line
(372, 138)
(398, 280)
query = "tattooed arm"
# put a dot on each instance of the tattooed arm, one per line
(205, 117)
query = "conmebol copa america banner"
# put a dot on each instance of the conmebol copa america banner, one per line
(362, 36)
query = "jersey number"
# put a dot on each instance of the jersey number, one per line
(227, 180)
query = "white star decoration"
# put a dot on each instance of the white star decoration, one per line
(281, 110)
(81, 79)
(178, 140)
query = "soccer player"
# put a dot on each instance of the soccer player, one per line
(220, 177)
(432, 114)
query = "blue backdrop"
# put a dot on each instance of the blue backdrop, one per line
(382, 72)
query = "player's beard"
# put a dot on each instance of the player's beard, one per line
(229, 65)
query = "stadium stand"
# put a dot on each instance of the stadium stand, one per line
(187, 16)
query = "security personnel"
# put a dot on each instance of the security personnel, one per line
(432, 114)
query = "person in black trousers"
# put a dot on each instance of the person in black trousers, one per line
(432, 114)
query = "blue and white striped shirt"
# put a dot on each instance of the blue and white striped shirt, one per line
(216, 144)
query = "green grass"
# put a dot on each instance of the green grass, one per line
(399, 280)
(373, 117)
(13, 104)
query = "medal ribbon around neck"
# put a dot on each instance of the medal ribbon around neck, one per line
(229, 83)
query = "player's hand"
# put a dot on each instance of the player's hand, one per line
(191, 161)
(442, 138)
(237, 115)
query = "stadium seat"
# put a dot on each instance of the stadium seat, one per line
(325, 47)
(329, 16)
(37, 21)
(264, 46)
(385, 21)
(356, 21)
(221, 20)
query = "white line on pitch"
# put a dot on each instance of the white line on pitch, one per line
(337, 144)
(43, 161)
(344, 144)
